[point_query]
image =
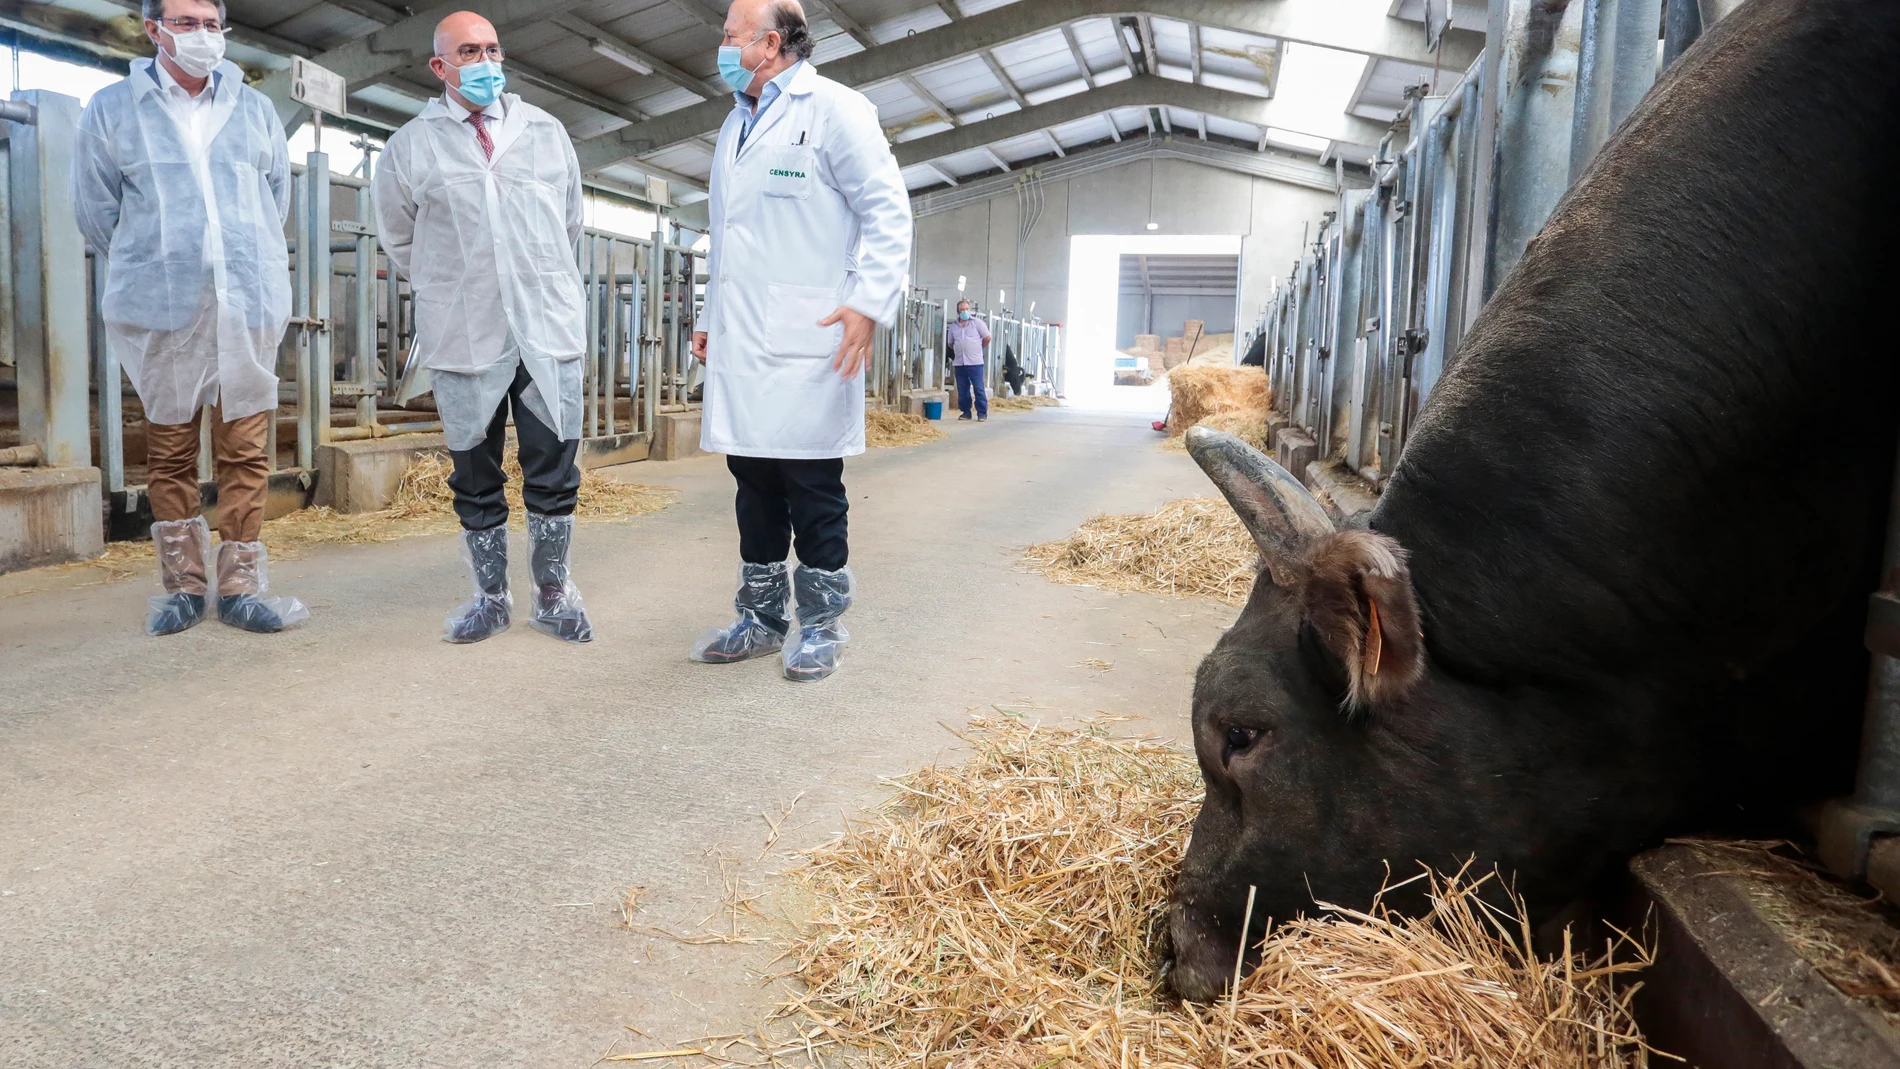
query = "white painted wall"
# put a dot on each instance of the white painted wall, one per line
(978, 241)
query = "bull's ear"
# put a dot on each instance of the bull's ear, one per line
(1359, 600)
(1284, 520)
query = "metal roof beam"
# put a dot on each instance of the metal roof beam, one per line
(1194, 52)
(1292, 171)
(996, 158)
(1145, 29)
(1145, 91)
(1075, 51)
(1352, 27)
(590, 33)
(930, 99)
(1147, 284)
(367, 59)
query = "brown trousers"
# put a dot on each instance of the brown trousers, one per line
(243, 471)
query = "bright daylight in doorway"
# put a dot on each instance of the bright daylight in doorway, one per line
(1094, 308)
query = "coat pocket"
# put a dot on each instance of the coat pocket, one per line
(790, 170)
(791, 320)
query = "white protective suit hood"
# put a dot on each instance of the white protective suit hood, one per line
(197, 289)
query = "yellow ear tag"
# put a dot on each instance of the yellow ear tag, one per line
(1375, 640)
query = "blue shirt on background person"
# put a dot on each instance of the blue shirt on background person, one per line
(967, 338)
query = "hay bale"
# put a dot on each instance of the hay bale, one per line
(887, 429)
(1008, 912)
(1249, 427)
(1195, 547)
(1147, 343)
(1198, 392)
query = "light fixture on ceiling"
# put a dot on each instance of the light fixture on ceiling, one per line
(622, 56)
(1154, 226)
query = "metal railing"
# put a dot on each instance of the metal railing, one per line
(343, 366)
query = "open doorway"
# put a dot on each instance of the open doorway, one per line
(1174, 310)
(1140, 304)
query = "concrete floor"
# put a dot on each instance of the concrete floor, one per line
(353, 844)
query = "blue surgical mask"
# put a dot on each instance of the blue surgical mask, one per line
(963, 315)
(732, 68)
(482, 82)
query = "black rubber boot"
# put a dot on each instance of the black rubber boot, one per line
(488, 612)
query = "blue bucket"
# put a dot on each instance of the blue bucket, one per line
(933, 409)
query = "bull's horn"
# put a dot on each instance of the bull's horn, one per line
(1277, 511)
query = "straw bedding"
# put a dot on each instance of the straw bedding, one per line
(1194, 547)
(423, 505)
(887, 429)
(1022, 403)
(1198, 392)
(1010, 912)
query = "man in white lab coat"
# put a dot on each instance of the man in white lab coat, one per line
(811, 233)
(181, 181)
(478, 202)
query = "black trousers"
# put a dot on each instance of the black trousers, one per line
(782, 501)
(550, 480)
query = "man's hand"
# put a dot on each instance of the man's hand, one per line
(699, 346)
(856, 347)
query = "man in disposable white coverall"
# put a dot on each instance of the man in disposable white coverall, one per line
(181, 180)
(810, 243)
(478, 202)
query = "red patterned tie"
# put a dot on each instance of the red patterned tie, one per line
(481, 134)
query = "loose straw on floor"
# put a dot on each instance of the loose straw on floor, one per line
(1009, 911)
(1195, 547)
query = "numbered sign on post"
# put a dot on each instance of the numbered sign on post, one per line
(317, 88)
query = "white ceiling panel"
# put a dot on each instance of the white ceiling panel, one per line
(671, 99)
(1174, 73)
(977, 7)
(921, 127)
(836, 46)
(1171, 41)
(960, 82)
(972, 162)
(1096, 37)
(1026, 147)
(926, 18)
(1233, 85)
(1056, 91)
(1117, 73)
(1239, 131)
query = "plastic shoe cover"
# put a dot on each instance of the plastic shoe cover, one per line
(243, 579)
(184, 549)
(761, 624)
(487, 613)
(557, 603)
(822, 598)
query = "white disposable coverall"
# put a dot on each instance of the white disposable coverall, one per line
(810, 214)
(488, 246)
(197, 274)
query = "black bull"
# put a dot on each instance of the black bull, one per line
(1614, 591)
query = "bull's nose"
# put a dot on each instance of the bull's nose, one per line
(1203, 959)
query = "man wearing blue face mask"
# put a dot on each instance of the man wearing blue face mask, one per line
(810, 235)
(478, 200)
(968, 335)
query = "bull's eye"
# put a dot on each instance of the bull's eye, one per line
(1239, 738)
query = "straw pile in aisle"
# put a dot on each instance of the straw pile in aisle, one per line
(887, 429)
(1194, 547)
(1197, 392)
(1009, 911)
(1022, 403)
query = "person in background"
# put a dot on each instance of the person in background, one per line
(181, 181)
(968, 337)
(811, 232)
(478, 202)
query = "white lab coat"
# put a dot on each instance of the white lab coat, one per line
(811, 214)
(488, 245)
(197, 287)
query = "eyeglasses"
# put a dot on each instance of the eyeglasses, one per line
(731, 40)
(194, 25)
(471, 53)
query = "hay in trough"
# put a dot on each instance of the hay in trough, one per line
(1010, 912)
(1194, 547)
(1249, 427)
(1198, 392)
(888, 429)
